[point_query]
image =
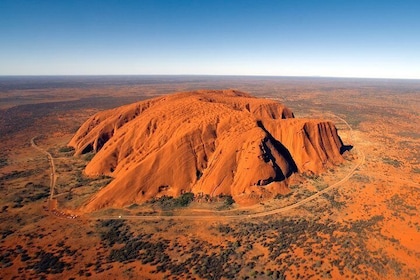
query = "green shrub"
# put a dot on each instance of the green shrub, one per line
(89, 156)
(66, 149)
(168, 202)
(229, 200)
(184, 200)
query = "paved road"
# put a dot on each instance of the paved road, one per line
(360, 161)
(53, 174)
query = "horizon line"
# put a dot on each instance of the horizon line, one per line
(208, 75)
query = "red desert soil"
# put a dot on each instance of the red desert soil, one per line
(210, 142)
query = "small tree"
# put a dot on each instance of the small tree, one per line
(229, 200)
(185, 199)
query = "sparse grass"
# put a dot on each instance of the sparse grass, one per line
(228, 201)
(321, 186)
(281, 196)
(332, 199)
(66, 149)
(311, 176)
(133, 206)
(399, 206)
(88, 156)
(16, 174)
(30, 193)
(3, 162)
(394, 162)
(360, 178)
(316, 180)
(409, 134)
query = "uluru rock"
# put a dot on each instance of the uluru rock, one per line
(210, 142)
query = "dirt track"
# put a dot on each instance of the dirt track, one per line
(53, 175)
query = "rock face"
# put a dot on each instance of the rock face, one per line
(210, 142)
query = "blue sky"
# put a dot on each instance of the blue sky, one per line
(338, 38)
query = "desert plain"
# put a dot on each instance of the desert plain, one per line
(357, 220)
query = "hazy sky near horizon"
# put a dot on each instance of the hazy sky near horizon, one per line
(336, 38)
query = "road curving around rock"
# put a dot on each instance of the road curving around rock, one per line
(217, 216)
(214, 214)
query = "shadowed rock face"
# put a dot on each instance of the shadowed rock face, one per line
(211, 142)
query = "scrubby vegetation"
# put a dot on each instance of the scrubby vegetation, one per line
(3, 162)
(89, 156)
(16, 174)
(169, 202)
(66, 149)
(185, 199)
(399, 206)
(237, 258)
(30, 193)
(339, 235)
(227, 201)
(41, 262)
(391, 161)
